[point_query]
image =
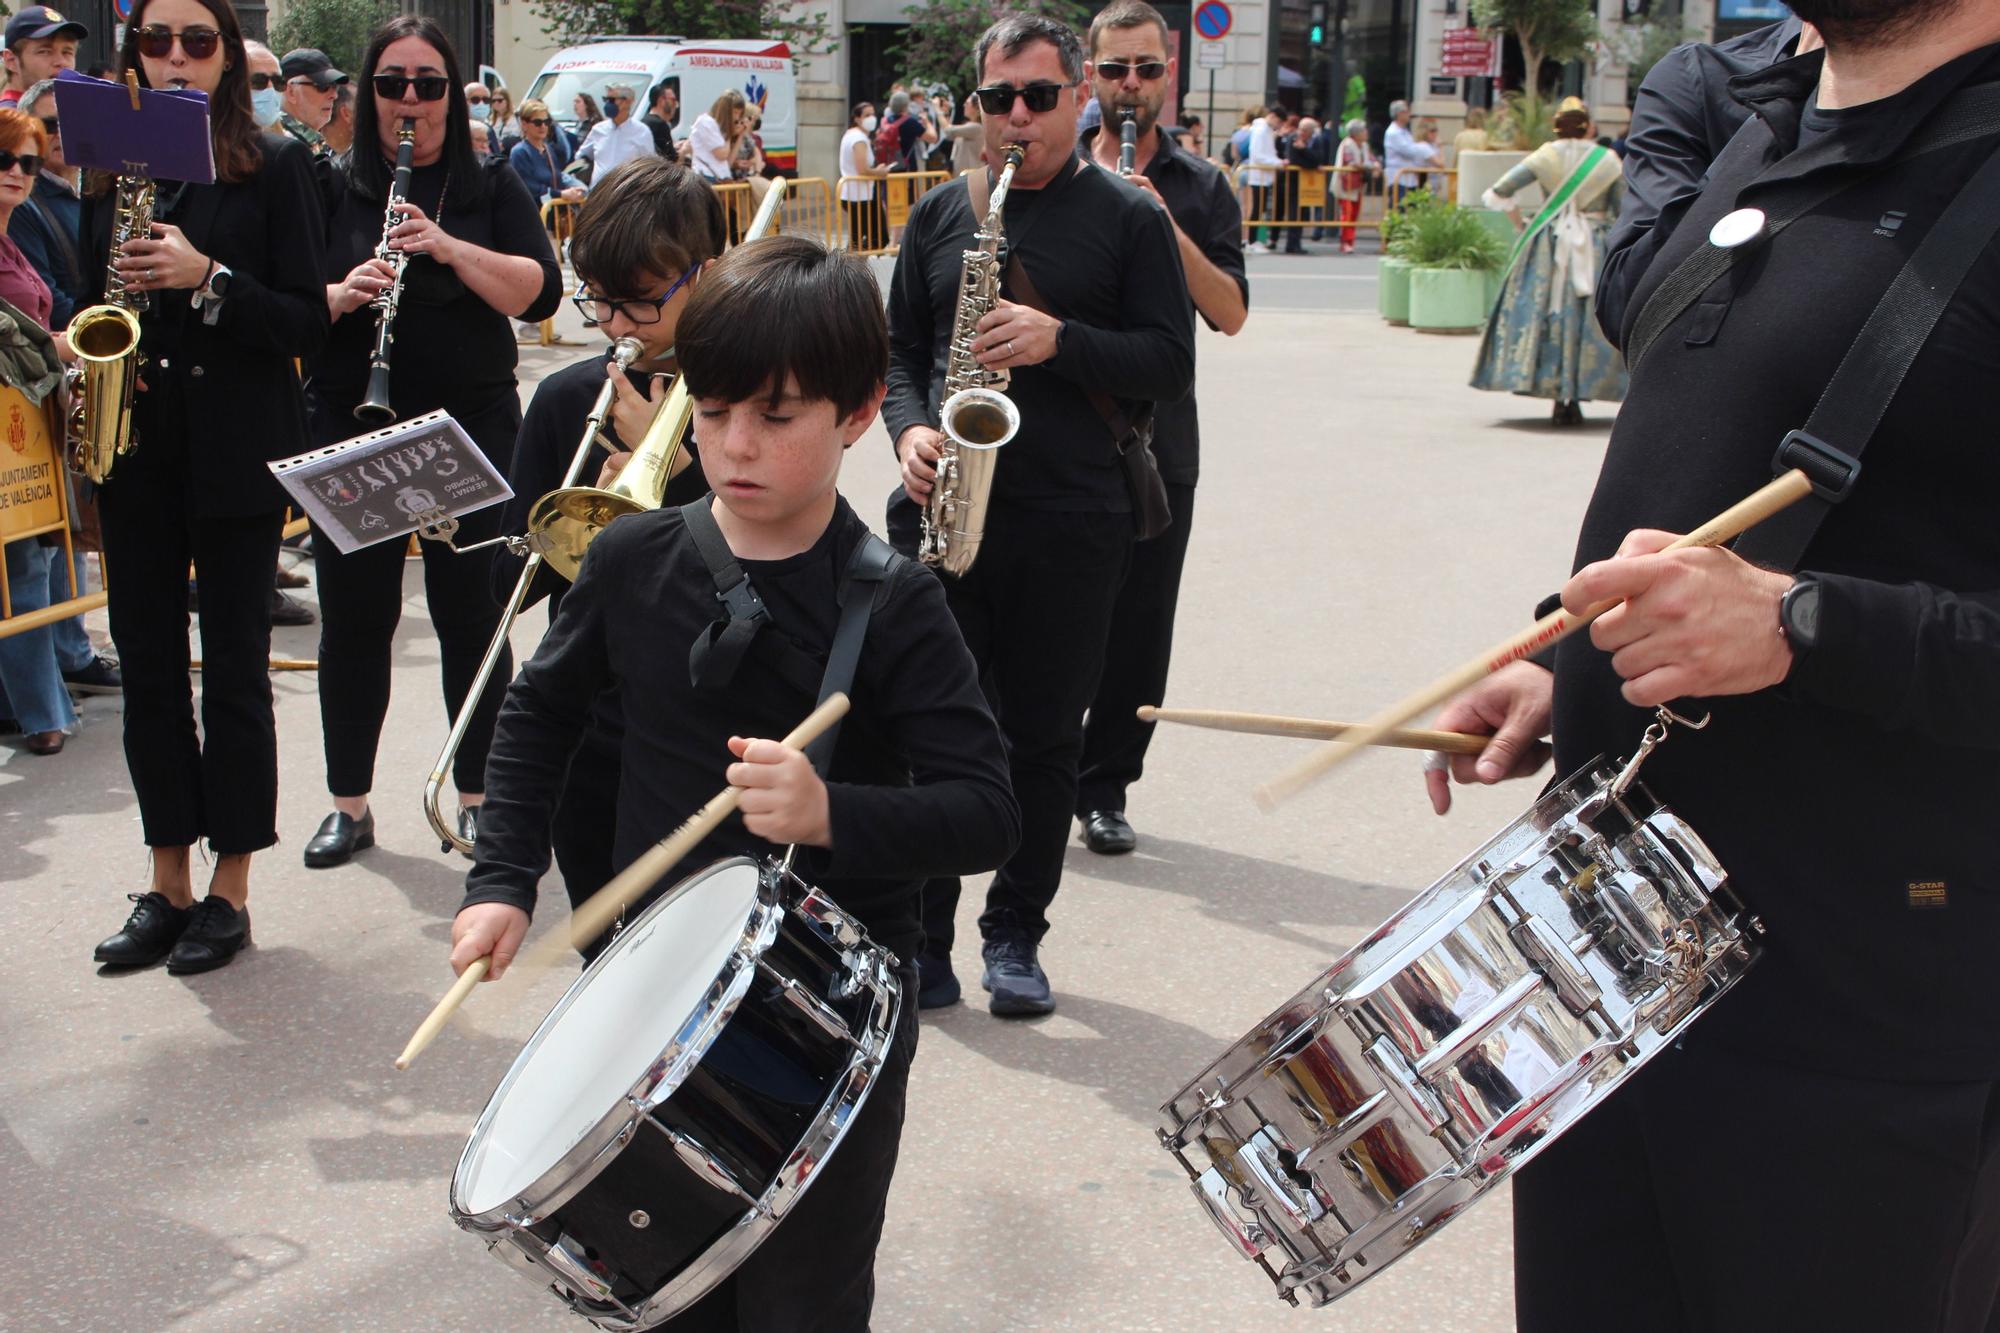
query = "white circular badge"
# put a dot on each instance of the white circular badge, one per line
(1738, 228)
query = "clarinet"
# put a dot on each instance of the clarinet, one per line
(374, 409)
(1128, 142)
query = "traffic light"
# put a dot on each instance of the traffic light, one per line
(1318, 37)
(1318, 33)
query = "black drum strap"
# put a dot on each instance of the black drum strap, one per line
(868, 571)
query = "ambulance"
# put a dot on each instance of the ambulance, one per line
(699, 71)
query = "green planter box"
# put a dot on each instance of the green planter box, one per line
(1447, 300)
(1392, 291)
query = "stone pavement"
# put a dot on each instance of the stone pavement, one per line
(234, 1151)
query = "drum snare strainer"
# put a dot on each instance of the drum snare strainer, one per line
(680, 1097)
(1463, 1036)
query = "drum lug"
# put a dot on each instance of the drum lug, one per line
(1418, 1102)
(705, 1164)
(1538, 941)
(1234, 1218)
(807, 1003)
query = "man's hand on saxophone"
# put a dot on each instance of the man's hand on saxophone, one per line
(919, 450)
(1012, 336)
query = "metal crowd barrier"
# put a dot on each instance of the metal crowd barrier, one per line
(35, 502)
(1303, 196)
(559, 217)
(873, 226)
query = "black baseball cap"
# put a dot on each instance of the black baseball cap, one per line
(40, 21)
(307, 63)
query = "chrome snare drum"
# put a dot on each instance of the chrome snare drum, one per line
(1460, 1038)
(679, 1098)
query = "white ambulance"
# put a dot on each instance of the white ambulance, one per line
(699, 72)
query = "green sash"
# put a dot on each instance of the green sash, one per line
(1556, 201)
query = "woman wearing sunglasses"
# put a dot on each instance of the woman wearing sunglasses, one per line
(478, 258)
(231, 273)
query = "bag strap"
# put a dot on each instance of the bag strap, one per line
(1557, 200)
(1972, 113)
(1122, 427)
(1845, 419)
(869, 569)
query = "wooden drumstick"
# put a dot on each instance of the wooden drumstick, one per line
(597, 912)
(1786, 490)
(1308, 728)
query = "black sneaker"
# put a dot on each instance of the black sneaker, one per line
(1017, 982)
(149, 933)
(100, 676)
(289, 610)
(216, 934)
(937, 984)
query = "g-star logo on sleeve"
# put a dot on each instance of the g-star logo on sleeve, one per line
(1926, 893)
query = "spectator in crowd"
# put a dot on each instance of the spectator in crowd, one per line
(506, 129)
(714, 133)
(479, 106)
(539, 158)
(1259, 179)
(663, 112)
(1399, 151)
(267, 84)
(1430, 155)
(861, 200)
(1091, 116)
(1354, 164)
(619, 137)
(310, 79)
(1237, 150)
(967, 138)
(30, 678)
(482, 140)
(339, 130)
(1192, 138)
(40, 43)
(584, 108)
(1471, 139)
(1301, 149)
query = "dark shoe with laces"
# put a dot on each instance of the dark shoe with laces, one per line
(98, 676)
(1107, 833)
(339, 838)
(937, 984)
(1016, 981)
(216, 933)
(150, 933)
(289, 610)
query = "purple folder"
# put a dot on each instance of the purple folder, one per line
(166, 138)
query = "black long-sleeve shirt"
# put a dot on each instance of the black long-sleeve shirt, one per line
(1106, 261)
(1204, 206)
(1857, 808)
(918, 784)
(1681, 119)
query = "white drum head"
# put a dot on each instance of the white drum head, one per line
(617, 1022)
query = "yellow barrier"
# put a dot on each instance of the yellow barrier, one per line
(875, 224)
(809, 211)
(1294, 197)
(559, 217)
(34, 502)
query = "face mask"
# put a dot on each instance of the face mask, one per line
(265, 103)
(868, 124)
(480, 111)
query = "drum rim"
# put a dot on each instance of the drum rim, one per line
(578, 1166)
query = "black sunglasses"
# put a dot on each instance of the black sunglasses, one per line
(28, 162)
(261, 82)
(1116, 70)
(998, 99)
(535, 120)
(430, 87)
(51, 126)
(156, 41)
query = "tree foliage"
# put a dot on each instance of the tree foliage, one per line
(806, 29)
(938, 45)
(338, 27)
(1546, 29)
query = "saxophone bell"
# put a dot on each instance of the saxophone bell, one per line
(104, 380)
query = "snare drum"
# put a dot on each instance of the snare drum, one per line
(680, 1098)
(1462, 1037)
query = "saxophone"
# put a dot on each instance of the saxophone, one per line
(105, 339)
(977, 417)
(374, 408)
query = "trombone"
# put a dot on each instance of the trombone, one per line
(623, 353)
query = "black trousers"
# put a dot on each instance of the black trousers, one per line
(219, 782)
(361, 601)
(1135, 662)
(1718, 1191)
(1035, 611)
(816, 1271)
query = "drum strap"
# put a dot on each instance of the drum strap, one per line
(719, 651)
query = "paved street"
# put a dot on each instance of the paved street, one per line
(234, 1151)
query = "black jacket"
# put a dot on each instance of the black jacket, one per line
(224, 398)
(1854, 806)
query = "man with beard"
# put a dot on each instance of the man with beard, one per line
(1110, 332)
(1848, 783)
(1131, 72)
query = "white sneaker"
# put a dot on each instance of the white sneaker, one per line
(1256, 248)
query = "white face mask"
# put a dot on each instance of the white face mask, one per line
(480, 110)
(265, 104)
(868, 124)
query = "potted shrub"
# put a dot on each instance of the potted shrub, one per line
(1451, 254)
(1392, 289)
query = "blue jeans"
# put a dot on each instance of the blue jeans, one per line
(73, 650)
(31, 684)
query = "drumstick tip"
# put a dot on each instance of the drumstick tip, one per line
(1148, 712)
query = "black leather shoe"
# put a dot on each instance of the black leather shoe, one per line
(149, 933)
(216, 934)
(1106, 833)
(340, 837)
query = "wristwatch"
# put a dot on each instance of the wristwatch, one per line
(214, 290)
(1798, 614)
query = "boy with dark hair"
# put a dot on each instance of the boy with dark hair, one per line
(642, 236)
(786, 349)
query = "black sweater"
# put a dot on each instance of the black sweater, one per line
(1837, 801)
(918, 785)
(1104, 258)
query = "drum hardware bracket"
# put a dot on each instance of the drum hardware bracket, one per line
(1664, 717)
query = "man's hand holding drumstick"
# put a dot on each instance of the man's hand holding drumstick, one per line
(1700, 622)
